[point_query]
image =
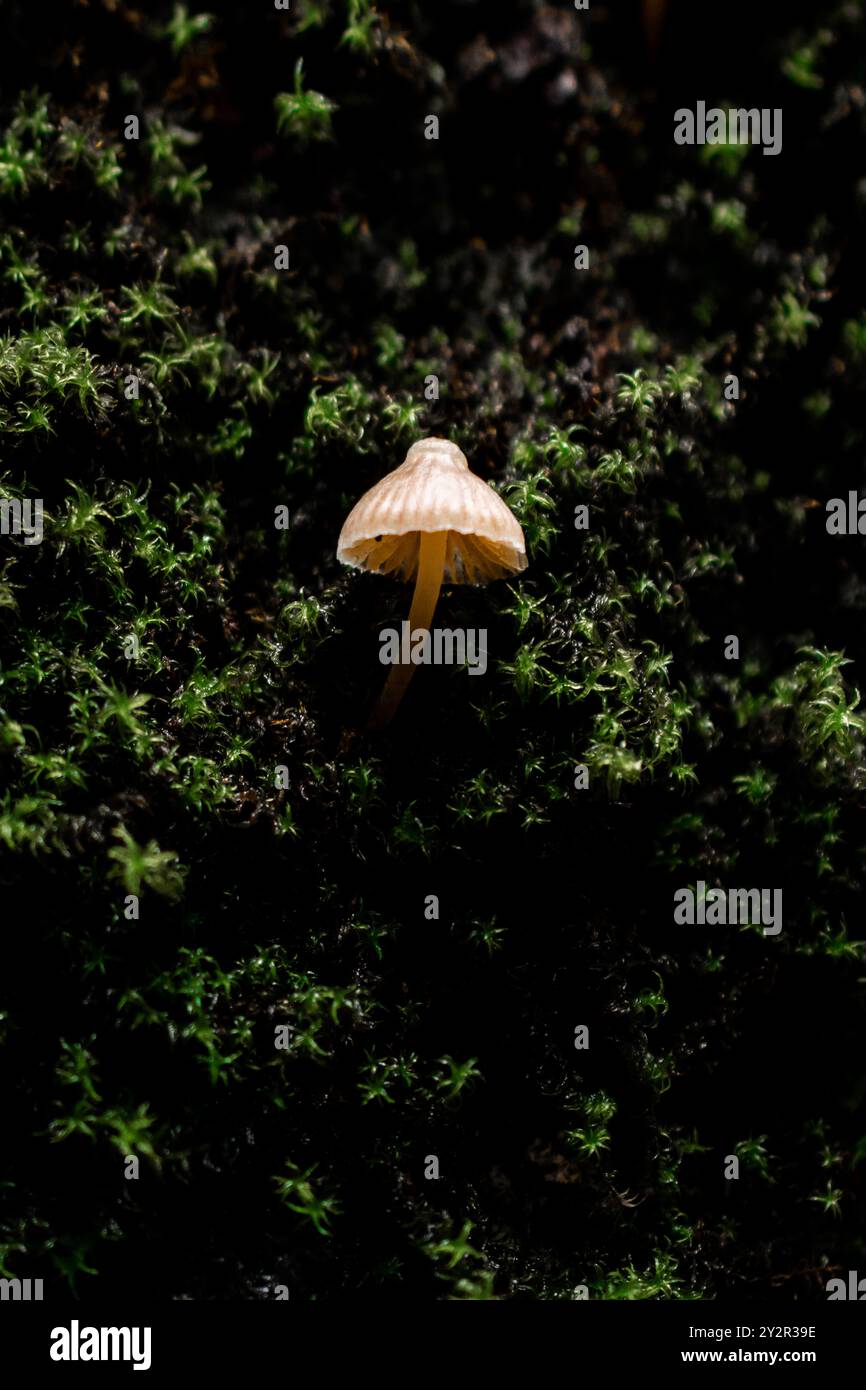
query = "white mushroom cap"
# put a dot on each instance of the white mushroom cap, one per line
(433, 490)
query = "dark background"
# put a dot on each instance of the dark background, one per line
(307, 907)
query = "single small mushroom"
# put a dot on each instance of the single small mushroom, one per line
(431, 520)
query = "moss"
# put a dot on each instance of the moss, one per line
(167, 648)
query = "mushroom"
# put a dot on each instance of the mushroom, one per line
(432, 520)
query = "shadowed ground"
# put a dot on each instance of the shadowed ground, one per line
(150, 768)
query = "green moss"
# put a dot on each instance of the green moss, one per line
(165, 649)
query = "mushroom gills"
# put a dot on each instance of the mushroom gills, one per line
(468, 559)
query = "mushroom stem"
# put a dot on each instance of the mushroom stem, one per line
(431, 569)
(653, 21)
